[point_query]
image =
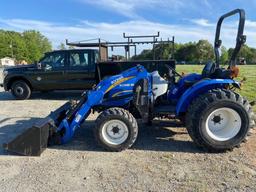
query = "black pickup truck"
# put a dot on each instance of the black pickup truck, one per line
(76, 69)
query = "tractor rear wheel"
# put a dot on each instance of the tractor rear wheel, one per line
(219, 120)
(116, 129)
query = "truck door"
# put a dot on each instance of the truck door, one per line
(81, 70)
(52, 75)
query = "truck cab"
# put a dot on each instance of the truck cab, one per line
(57, 70)
(72, 69)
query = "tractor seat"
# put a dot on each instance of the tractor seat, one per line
(209, 70)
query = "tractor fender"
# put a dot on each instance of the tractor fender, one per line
(199, 88)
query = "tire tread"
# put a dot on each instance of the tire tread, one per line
(116, 112)
(200, 103)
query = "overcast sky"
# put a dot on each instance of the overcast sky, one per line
(187, 20)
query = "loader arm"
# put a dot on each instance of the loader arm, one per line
(95, 97)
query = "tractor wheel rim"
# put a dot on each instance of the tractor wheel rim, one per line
(223, 124)
(115, 132)
(19, 90)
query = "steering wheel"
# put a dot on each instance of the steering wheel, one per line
(209, 69)
(171, 73)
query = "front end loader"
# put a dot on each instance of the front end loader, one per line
(60, 125)
(217, 118)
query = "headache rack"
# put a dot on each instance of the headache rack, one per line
(132, 42)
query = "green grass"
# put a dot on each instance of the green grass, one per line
(248, 71)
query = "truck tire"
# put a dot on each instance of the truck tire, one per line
(219, 120)
(20, 90)
(116, 129)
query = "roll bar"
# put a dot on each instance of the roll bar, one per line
(240, 39)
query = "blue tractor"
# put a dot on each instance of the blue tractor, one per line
(216, 117)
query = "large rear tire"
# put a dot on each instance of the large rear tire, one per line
(219, 120)
(116, 129)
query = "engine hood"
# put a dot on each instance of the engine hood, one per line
(21, 67)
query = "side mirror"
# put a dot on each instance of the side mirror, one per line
(41, 66)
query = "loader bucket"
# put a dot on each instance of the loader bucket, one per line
(35, 140)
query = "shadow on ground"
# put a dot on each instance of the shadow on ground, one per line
(53, 95)
(153, 138)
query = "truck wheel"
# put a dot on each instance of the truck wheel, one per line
(219, 120)
(116, 129)
(20, 90)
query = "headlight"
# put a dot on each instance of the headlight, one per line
(5, 73)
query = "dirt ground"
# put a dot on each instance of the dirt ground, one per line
(163, 158)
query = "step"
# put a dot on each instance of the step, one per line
(165, 109)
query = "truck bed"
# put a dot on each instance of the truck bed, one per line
(109, 68)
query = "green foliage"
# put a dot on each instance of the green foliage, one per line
(248, 53)
(202, 51)
(29, 45)
(145, 55)
(36, 44)
(224, 55)
(187, 52)
(196, 52)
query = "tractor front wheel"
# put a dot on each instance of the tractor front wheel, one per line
(116, 129)
(219, 120)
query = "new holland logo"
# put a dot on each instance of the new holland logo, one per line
(118, 81)
(114, 81)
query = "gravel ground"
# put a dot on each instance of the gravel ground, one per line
(163, 158)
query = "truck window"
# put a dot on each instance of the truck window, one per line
(97, 57)
(79, 59)
(54, 60)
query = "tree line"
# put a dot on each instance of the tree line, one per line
(31, 45)
(195, 52)
(28, 45)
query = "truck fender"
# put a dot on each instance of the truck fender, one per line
(199, 88)
(8, 81)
